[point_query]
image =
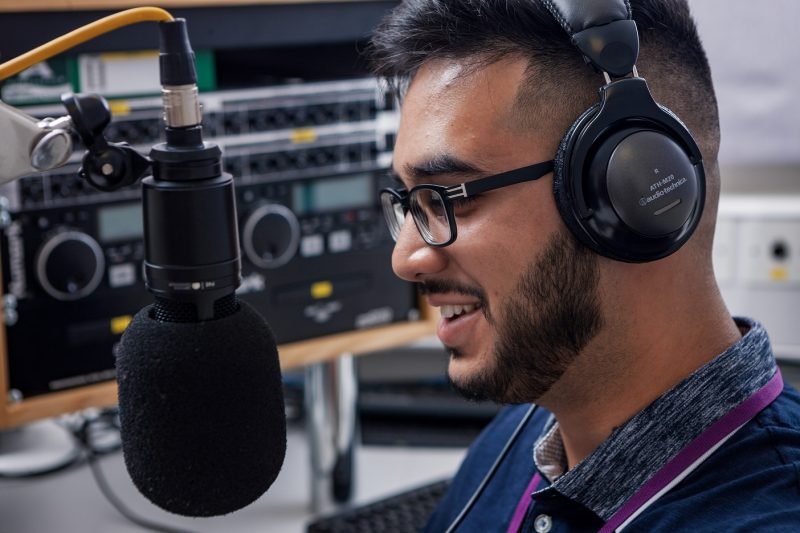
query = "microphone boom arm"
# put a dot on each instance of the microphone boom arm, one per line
(42, 145)
(32, 145)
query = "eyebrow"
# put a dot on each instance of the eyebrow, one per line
(440, 165)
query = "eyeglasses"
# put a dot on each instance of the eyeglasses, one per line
(432, 206)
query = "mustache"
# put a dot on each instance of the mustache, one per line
(449, 287)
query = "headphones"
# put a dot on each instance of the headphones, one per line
(628, 178)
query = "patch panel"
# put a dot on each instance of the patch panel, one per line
(256, 164)
(248, 111)
(135, 131)
(272, 131)
(247, 119)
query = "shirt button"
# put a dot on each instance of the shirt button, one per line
(543, 523)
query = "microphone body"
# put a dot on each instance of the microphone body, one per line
(201, 411)
(200, 391)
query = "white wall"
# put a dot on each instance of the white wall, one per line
(754, 51)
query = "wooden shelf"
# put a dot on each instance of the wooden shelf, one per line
(292, 355)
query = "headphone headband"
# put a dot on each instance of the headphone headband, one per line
(604, 32)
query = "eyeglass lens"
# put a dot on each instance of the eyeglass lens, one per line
(428, 209)
(393, 212)
(430, 213)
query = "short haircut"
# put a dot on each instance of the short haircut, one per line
(672, 58)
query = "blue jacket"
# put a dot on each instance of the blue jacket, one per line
(750, 483)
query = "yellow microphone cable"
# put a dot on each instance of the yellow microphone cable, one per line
(81, 35)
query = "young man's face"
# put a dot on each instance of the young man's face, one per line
(523, 291)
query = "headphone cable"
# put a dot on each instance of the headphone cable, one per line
(493, 470)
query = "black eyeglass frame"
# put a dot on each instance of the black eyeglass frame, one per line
(465, 190)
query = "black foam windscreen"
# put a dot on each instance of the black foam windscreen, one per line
(201, 410)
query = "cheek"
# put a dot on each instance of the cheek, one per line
(496, 254)
(500, 246)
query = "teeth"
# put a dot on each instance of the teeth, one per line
(449, 311)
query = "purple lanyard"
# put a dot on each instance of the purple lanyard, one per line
(689, 458)
(522, 506)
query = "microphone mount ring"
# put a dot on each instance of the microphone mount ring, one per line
(107, 166)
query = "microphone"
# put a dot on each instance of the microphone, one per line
(200, 392)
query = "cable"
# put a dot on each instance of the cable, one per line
(99, 420)
(81, 35)
(105, 488)
(493, 470)
(87, 429)
(92, 453)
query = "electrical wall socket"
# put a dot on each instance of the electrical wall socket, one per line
(769, 253)
(757, 264)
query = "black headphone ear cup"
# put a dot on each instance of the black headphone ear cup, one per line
(560, 190)
(610, 187)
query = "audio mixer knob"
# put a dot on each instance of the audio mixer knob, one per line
(70, 265)
(270, 235)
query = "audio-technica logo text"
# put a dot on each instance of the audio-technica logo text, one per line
(661, 187)
(662, 182)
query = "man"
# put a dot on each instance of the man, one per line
(646, 377)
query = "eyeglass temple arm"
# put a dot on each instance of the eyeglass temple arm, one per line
(529, 173)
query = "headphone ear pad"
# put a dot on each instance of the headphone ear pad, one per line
(560, 191)
(671, 114)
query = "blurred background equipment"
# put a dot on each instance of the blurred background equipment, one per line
(307, 158)
(266, 70)
(309, 147)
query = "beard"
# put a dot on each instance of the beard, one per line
(543, 326)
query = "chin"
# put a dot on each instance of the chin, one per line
(465, 363)
(460, 368)
(468, 378)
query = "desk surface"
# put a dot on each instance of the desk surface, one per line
(70, 502)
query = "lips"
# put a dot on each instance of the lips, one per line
(458, 322)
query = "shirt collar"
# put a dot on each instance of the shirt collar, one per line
(635, 451)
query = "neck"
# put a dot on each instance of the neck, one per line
(605, 387)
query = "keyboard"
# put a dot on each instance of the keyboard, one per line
(420, 414)
(407, 512)
(418, 399)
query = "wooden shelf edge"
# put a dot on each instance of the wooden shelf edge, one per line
(292, 355)
(354, 342)
(99, 395)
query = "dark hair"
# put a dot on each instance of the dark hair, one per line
(420, 30)
(672, 58)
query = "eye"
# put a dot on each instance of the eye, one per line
(461, 204)
(430, 202)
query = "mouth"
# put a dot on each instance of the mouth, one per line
(454, 312)
(460, 323)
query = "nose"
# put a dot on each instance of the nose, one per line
(413, 259)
